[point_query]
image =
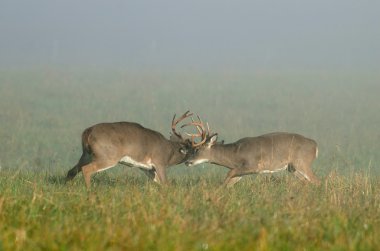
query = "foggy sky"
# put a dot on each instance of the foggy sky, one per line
(268, 35)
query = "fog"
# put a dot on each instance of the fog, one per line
(192, 35)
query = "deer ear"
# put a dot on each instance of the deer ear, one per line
(212, 140)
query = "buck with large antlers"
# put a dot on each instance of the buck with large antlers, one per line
(107, 144)
(267, 153)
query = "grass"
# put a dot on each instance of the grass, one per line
(126, 212)
(43, 113)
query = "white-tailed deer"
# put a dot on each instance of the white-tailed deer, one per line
(107, 144)
(267, 153)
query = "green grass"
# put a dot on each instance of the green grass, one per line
(44, 112)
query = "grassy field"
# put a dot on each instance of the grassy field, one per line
(43, 113)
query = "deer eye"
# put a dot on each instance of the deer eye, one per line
(183, 151)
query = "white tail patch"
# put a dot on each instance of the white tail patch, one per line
(200, 161)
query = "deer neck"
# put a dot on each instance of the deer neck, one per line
(175, 157)
(223, 155)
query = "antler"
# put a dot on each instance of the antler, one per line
(202, 132)
(175, 122)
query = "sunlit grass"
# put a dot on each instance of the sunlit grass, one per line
(127, 212)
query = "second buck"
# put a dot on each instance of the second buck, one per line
(267, 153)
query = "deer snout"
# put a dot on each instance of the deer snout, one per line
(195, 162)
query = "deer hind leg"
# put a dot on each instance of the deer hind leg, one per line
(232, 178)
(233, 181)
(94, 167)
(84, 160)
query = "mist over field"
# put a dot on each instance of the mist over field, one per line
(246, 67)
(44, 113)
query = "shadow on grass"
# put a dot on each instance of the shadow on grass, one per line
(56, 180)
(119, 180)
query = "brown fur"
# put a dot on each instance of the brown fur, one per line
(105, 144)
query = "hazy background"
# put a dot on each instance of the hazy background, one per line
(172, 35)
(247, 67)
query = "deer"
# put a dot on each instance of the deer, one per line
(268, 153)
(105, 145)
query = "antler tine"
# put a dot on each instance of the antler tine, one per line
(204, 138)
(201, 132)
(185, 115)
(208, 129)
(175, 122)
(197, 126)
(204, 134)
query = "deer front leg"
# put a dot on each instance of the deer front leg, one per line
(150, 173)
(160, 175)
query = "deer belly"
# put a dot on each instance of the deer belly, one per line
(274, 170)
(126, 160)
